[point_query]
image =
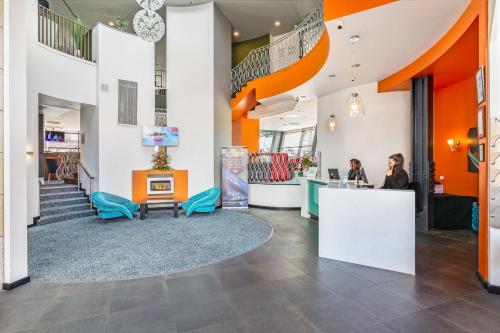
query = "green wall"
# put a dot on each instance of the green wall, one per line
(241, 49)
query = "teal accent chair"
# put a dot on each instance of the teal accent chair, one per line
(203, 202)
(111, 206)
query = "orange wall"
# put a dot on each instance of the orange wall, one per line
(246, 133)
(139, 184)
(455, 111)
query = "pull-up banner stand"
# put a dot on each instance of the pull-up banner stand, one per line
(234, 177)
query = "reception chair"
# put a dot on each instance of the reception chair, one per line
(203, 202)
(111, 206)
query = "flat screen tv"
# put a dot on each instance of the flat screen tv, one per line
(160, 136)
(55, 136)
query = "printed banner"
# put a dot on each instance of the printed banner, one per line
(234, 177)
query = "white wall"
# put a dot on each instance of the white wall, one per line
(89, 145)
(15, 165)
(384, 130)
(196, 99)
(124, 56)
(54, 74)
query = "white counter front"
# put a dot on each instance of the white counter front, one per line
(368, 227)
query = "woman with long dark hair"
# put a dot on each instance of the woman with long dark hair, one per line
(396, 177)
(356, 170)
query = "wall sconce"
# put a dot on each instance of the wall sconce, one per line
(453, 144)
(332, 122)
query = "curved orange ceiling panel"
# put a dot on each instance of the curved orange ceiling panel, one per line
(283, 80)
(340, 8)
(401, 79)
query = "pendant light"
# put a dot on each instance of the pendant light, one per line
(332, 123)
(355, 106)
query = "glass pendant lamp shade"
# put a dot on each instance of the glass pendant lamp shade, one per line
(151, 4)
(332, 123)
(149, 25)
(355, 106)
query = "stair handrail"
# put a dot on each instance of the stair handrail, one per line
(91, 180)
(280, 53)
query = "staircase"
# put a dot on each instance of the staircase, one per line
(62, 202)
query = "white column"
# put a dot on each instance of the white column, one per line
(198, 91)
(15, 168)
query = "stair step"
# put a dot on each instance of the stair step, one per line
(45, 189)
(63, 209)
(62, 195)
(65, 216)
(63, 202)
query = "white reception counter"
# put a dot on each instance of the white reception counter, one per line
(369, 227)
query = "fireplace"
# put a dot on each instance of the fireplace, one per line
(160, 184)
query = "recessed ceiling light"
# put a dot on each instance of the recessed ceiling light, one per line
(277, 23)
(354, 39)
(236, 34)
(111, 23)
(332, 75)
(355, 65)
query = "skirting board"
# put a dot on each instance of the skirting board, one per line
(489, 287)
(274, 208)
(15, 284)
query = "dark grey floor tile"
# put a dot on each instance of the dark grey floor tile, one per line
(276, 270)
(453, 284)
(301, 288)
(280, 320)
(422, 322)
(30, 292)
(139, 294)
(417, 291)
(374, 275)
(336, 314)
(71, 289)
(200, 312)
(224, 327)
(312, 264)
(341, 280)
(485, 300)
(237, 277)
(260, 255)
(193, 286)
(21, 317)
(377, 328)
(151, 319)
(468, 315)
(232, 262)
(76, 307)
(94, 325)
(385, 306)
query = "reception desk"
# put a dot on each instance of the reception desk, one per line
(370, 227)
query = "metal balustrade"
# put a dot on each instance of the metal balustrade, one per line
(63, 34)
(161, 117)
(281, 53)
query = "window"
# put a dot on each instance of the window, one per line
(267, 141)
(299, 142)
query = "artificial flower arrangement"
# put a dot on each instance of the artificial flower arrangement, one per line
(161, 161)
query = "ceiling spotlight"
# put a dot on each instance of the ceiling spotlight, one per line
(111, 23)
(277, 23)
(355, 65)
(236, 34)
(332, 75)
(354, 39)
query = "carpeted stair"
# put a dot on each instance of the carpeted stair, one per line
(62, 202)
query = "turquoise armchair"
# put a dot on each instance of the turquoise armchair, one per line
(203, 202)
(110, 206)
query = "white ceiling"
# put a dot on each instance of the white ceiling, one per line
(302, 115)
(252, 18)
(392, 36)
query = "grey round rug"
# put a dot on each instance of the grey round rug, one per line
(87, 250)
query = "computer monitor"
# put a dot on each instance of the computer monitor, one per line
(334, 174)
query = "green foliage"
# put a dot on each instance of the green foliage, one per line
(79, 32)
(161, 161)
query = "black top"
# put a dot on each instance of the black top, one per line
(361, 174)
(397, 182)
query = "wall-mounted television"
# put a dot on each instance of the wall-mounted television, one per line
(160, 136)
(55, 136)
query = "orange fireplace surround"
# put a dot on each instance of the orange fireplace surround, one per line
(139, 185)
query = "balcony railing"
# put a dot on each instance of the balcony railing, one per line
(161, 117)
(63, 34)
(280, 53)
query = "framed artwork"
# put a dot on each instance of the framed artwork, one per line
(481, 123)
(472, 151)
(481, 152)
(480, 85)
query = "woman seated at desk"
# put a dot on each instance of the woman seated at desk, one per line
(356, 170)
(396, 177)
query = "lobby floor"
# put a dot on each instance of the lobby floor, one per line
(279, 287)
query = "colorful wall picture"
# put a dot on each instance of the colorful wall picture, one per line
(55, 136)
(234, 177)
(160, 136)
(480, 85)
(481, 123)
(481, 152)
(472, 151)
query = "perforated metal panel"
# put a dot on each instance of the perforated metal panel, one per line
(127, 102)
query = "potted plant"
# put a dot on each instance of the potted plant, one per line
(161, 161)
(79, 32)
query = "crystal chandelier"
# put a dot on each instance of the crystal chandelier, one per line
(147, 23)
